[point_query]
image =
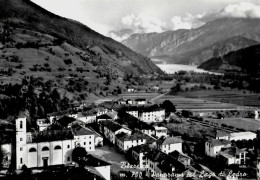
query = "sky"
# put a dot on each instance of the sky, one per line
(119, 19)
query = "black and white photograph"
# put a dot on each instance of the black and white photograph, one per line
(130, 89)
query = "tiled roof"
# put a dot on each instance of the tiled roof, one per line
(103, 116)
(156, 155)
(142, 148)
(177, 155)
(169, 140)
(80, 131)
(219, 142)
(112, 125)
(221, 134)
(135, 136)
(171, 165)
(232, 151)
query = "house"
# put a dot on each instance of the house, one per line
(87, 117)
(140, 101)
(138, 154)
(158, 163)
(242, 136)
(121, 101)
(84, 137)
(169, 144)
(160, 131)
(98, 137)
(183, 158)
(57, 115)
(232, 155)
(110, 129)
(131, 90)
(150, 115)
(43, 151)
(103, 117)
(97, 166)
(42, 123)
(213, 146)
(222, 135)
(129, 101)
(126, 141)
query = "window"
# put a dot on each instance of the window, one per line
(32, 150)
(45, 148)
(57, 147)
(84, 143)
(89, 142)
(68, 158)
(21, 139)
(21, 160)
(68, 146)
(21, 124)
(21, 149)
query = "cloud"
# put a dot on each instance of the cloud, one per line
(187, 22)
(241, 10)
(121, 34)
(143, 23)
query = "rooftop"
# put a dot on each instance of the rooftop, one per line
(247, 133)
(160, 128)
(142, 148)
(81, 131)
(219, 142)
(135, 136)
(231, 151)
(104, 116)
(112, 125)
(169, 140)
(221, 134)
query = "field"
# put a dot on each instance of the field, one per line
(242, 123)
(239, 97)
(196, 103)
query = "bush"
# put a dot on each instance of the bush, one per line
(67, 61)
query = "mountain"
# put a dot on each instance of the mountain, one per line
(195, 46)
(246, 61)
(25, 24)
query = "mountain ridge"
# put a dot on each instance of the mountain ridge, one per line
(181, 43)
(25, 14)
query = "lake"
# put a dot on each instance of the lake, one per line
(172, 68)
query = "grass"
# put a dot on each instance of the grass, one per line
(195, 103)
(239, 97)
(242, 123)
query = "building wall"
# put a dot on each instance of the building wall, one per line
(243, 136)
(168, 148)
(133, 113)
(86, 141)
(87, 119)
(211, 150)
(152, 116)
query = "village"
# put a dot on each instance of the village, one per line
(130, 139)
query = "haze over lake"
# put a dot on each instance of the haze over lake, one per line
(172, 68)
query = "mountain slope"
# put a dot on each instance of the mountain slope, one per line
(27, 15)
(245, 60)
(193, 46)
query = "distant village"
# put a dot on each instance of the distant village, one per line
(134, 128)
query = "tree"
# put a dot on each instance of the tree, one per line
(78, 155)
(168, 106)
